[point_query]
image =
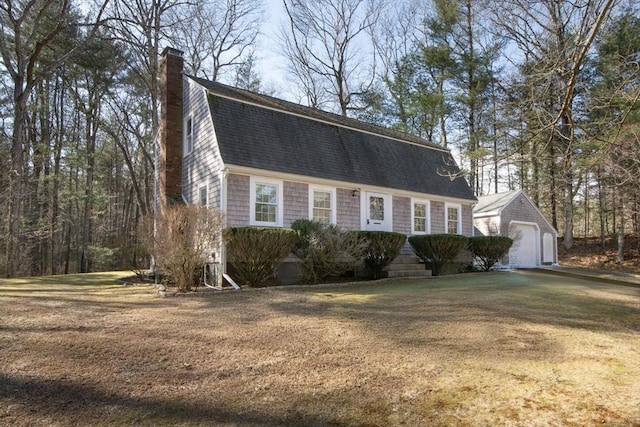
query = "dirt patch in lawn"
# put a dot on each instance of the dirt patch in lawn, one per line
(477, 349)
(588, 252)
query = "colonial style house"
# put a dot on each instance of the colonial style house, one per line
(267, 162)
(513, 214)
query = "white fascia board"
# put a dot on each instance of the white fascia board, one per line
(486, 214)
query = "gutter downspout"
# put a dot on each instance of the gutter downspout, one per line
(223, 208)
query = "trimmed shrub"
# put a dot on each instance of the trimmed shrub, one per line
(488, 250)
(324, 250)
(184, 238)
(438, 250)
(379, 249)
(255, 253)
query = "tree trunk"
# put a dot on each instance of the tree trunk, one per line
(87, 223)
(620, 257)
(568, 210)
(16, 181)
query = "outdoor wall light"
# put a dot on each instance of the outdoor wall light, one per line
(355, 193)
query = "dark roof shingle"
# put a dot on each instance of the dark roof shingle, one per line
(262, 132)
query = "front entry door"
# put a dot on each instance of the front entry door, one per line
(377, 212)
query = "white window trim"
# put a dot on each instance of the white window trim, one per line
(185, 142)
(253, 180)
(332, 191)
(427, 213)
(457, 206)
(206, 188)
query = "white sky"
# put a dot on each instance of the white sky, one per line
(271, 64)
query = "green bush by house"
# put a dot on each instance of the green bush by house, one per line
(324, 250)
(488, 250)
(379, 249)
(438, 250)
(255, 253)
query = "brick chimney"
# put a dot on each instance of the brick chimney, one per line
(169, 167)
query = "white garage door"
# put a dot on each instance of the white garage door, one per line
(523, 253)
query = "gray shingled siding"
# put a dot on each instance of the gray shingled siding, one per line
(238, 200)
(401, 214)
(202, 165)
(437, 217)
(296, 202)
(296, 206)
(467, 220)
(488, 226)
(348, 213)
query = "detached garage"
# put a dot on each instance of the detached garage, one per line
(513, 214)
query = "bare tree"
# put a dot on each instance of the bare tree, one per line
(141, 26)
(395, 36)
(328, 48)
(216, 35)
(555, 37)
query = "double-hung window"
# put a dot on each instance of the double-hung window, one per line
(453, 218)
(188, 135)
(420, 217)
(203, 195)
(266, 202)
(322, 205)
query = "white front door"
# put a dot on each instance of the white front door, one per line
(377, 211)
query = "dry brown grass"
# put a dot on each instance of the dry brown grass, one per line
(520, 349)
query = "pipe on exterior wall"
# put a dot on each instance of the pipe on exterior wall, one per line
(223, 208)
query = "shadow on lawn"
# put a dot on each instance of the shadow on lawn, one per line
(65, 402)
(493, 298)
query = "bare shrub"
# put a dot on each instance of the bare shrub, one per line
(185, 237)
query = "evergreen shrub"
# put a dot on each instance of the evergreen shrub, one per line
(379, 249)
(488, 250)
(255, 253)
(324, 250)
(438, 250)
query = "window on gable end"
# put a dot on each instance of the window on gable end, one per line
(188, 135)
(203, 196)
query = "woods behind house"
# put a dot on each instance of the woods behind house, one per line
(541, 96)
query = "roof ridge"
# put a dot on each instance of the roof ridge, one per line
(247, 96)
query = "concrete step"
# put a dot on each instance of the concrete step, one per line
(407, 250)
(407, 265)
(406, 259)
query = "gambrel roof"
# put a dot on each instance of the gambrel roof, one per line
(263, 132)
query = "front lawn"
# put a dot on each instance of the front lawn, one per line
(478, 349)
